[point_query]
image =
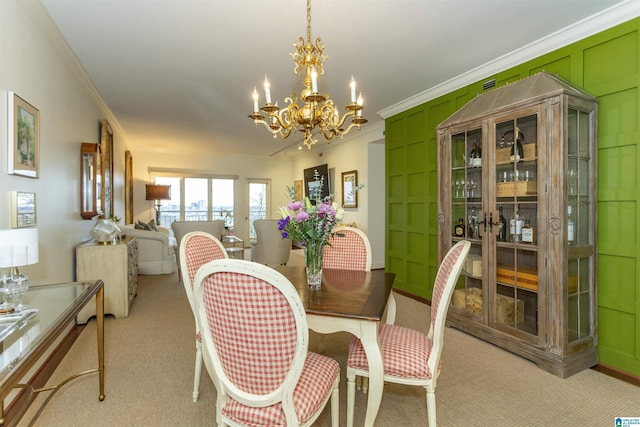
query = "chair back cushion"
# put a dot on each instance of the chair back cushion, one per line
(198, 249)
(253, 330)
(444, 275)
(348, 249)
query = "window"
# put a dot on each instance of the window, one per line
(198, 199)
(257, 203)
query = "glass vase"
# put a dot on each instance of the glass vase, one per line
(313, 255)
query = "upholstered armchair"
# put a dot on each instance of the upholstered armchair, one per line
(156, 249)
(269, 248)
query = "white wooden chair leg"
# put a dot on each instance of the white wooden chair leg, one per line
(351, 395)
(365, 384)
(431, 408)
(335, 407)
(197, 373)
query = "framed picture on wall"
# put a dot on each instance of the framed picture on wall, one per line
(23, 209)
(24, 137)
(316, 182)
(297, 186)
(349, 193)
(106, 145)
(128, 188)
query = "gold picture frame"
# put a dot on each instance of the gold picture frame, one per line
(349, 192)
(106, 146)
(24, 139)
(128, 187)
(23, 209)
(297, 186)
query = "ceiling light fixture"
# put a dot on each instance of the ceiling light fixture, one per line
(317, 110)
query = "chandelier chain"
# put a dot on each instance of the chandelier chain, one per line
(309, 20)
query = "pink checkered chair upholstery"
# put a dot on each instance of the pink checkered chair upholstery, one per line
(411, 357)
(254, 330)
(197, 249)
(352, 251)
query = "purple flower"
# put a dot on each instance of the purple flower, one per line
(285, 234)
(325, 209)
(301, 216)
(295, 206)
(282, 223)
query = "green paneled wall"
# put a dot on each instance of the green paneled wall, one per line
(606, 65)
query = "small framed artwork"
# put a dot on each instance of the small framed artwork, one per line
(297, 186)
(316, 189)
(23, 209)
(349, 193)
(24, 137)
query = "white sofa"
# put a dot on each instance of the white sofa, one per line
(156, 250)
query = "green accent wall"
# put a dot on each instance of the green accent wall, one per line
(605, 65)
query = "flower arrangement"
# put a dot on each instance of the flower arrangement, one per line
(311, 225)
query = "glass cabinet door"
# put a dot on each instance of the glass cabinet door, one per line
(515, 297)
(467, 164)
(579, 206)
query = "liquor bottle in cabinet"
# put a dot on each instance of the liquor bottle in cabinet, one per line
(536, 294)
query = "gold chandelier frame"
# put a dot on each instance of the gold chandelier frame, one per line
(316, 110)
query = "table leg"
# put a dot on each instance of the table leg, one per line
(100, 333)
(369, 339)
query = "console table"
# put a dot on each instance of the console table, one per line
(28, 336)
(117, 266)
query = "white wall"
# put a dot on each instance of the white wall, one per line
(32, 68)
(356, 152)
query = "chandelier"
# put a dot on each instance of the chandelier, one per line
(316, 109)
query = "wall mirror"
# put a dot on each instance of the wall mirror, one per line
(90, 181)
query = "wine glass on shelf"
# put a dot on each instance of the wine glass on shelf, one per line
(471, 186)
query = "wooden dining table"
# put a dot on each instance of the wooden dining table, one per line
(349, 301)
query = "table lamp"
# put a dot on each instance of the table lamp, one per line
(158, 192)
(18, 247)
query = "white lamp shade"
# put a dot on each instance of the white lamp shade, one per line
(18, 247)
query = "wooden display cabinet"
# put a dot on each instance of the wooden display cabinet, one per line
(531, 289)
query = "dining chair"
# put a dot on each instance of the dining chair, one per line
(411, 357)
(181, 228)
(254, 329)
(197, 249)
(349, 249)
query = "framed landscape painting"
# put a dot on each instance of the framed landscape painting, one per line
(349, 193)
(23, 137)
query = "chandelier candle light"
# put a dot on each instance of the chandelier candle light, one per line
(317, 109)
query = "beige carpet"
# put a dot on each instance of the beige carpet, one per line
(149, 377)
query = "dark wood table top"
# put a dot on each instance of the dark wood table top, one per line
(343, 293)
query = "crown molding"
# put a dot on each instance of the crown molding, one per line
(589, 26)
(36, 11)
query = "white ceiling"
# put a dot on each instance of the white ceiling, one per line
(178, 74)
